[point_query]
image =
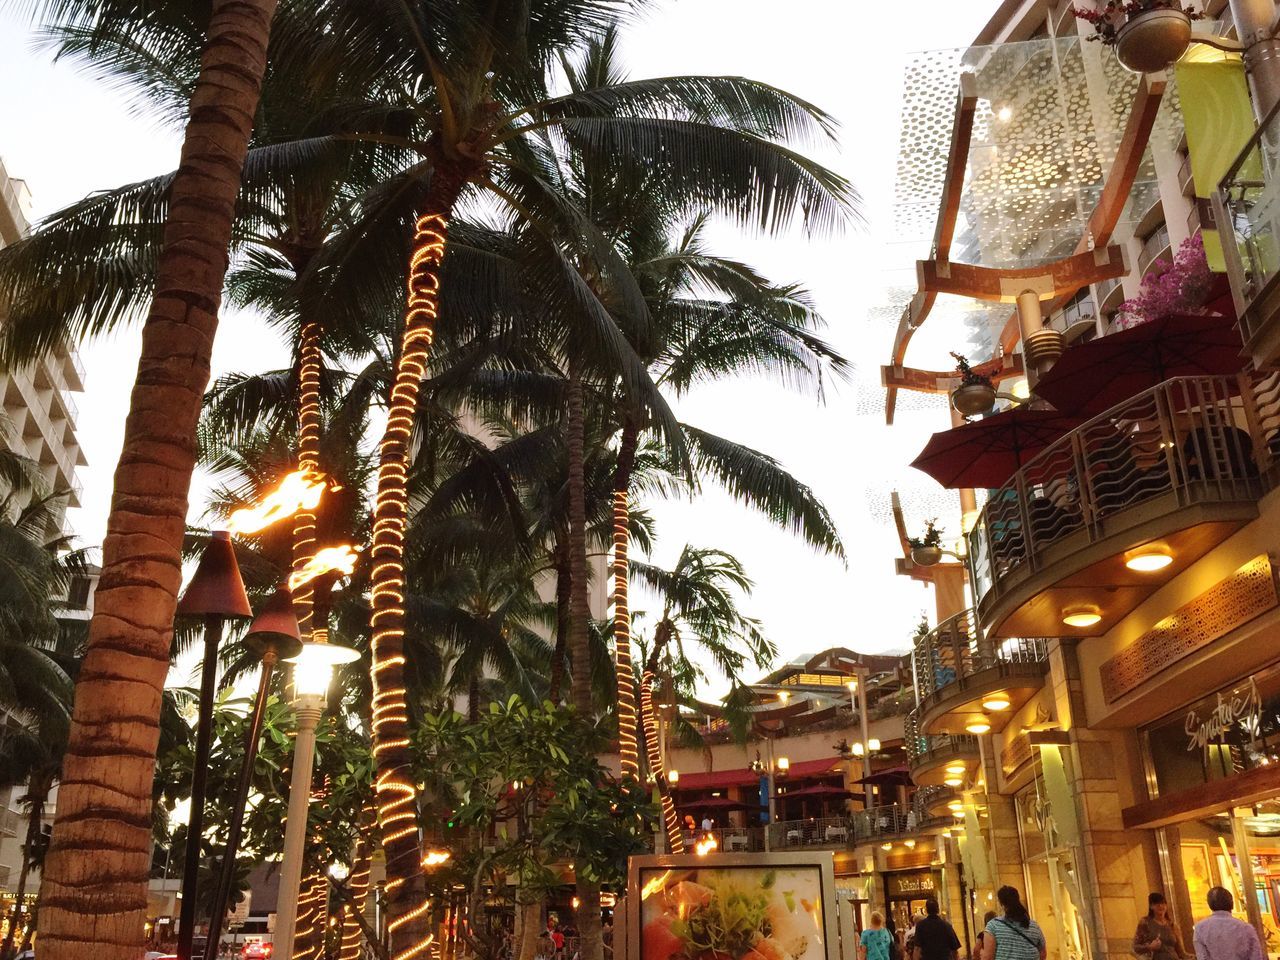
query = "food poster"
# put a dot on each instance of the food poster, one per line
(732, 913)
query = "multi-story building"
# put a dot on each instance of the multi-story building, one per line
(819, 760)
(36, 400)
(39, 416)
(1100, 686)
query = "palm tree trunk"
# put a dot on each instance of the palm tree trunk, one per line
(358, 883)
(94, 885)
(628, 752)
(473, 700)
(649, 717)
(579, 597)
(396, 792)
(562, 623)
(309, 426)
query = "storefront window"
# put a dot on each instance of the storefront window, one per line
(1221, 735)
(1049, 862)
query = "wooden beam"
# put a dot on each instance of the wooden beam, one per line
(1005, 284)
(1116, 188)
(1242, 790)
(944, 232)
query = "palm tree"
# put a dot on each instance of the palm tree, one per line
(117, 698)
(476, 76)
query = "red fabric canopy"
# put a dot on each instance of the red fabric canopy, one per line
(987, 452)
(746, 777)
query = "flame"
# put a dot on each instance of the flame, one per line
(706, 845)
(300, 490)
(655, 885)
(435, 857)
(341, 558)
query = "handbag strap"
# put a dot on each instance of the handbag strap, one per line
(1019, 932)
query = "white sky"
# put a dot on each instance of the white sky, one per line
(67, 137)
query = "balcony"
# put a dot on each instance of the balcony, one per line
(934, 759)
(958, 670)
(1158, 246)
(1077, 320)
(1250, 198)
(1171, 473)
(1110, 295)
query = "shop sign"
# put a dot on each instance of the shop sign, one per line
(910, 884)
(1241, 707)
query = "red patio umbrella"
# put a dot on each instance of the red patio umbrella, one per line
(987, 452)
(1092, 377)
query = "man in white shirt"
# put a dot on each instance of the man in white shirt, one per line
(1220, 936)
(708, 824)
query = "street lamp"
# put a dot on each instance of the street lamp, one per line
(312, 673)
(215, 592)
(273, 636)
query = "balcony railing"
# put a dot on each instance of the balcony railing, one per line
(1250, 195)
(923, 748)
(954, 651)
(1158, 245)
(1189, 441)
(729, 839)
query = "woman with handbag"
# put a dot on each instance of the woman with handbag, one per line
(1013, 935)
(1156, 937)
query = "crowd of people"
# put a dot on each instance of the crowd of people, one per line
(1011, 934)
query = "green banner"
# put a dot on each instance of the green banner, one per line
(1062, 801)
(1218, 115)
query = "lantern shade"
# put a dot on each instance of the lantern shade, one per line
(313, 666)
(276, 626)
(216, 589)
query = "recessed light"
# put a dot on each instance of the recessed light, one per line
(1149, 561)
(953, 782)
(956, 768)
(909, 844)
(886, 846)
(998, 702)
(1081, 616)
(958, 814)
(955, 806)
(978, 727)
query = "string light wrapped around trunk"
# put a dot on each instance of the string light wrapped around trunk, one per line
(628, 750)
(309, 426)
(670, 820)
(395, 790)
(358, 885)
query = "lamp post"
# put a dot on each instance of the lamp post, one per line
(215, 592)
(312, 671)
(273, 636)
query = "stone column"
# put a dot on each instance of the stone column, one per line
(1113, 863)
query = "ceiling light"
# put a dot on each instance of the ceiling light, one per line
(978, 726)
(1085, 615)
(859, 749)
(957, 768)
(953, 782)
(1149, 561)
(997, 702)
(958, 814)
(886, 846)
(955, 805)
(784, 696)
(909, 844)
(873, 745)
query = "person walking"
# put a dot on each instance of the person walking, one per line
(1220, 936)
(1013, 935)
(935, 938)
(1156, 937)
(875, 940)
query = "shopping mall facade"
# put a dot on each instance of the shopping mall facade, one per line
(1099, 695)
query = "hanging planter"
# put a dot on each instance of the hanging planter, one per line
(976, 394)
(926, 550)
(1149, 35)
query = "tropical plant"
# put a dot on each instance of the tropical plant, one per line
(968, 376)
(114, 735)
(932, 536)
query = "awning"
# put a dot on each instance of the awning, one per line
(716, 803)
(745, 777)
(890, 777)
(822, 790)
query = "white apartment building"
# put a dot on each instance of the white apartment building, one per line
(39, 421)
(36, 401)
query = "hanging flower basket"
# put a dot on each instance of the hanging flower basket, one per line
(973, 399)
(926, 556)
(1149, 35)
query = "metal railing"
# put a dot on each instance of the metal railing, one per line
(1250, 194)
(925, 748)
(1189, 440)
(1106, 290)
(954, 650)
(728, 839)
(1079, 308)
(1158, 245)
(811, 832)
